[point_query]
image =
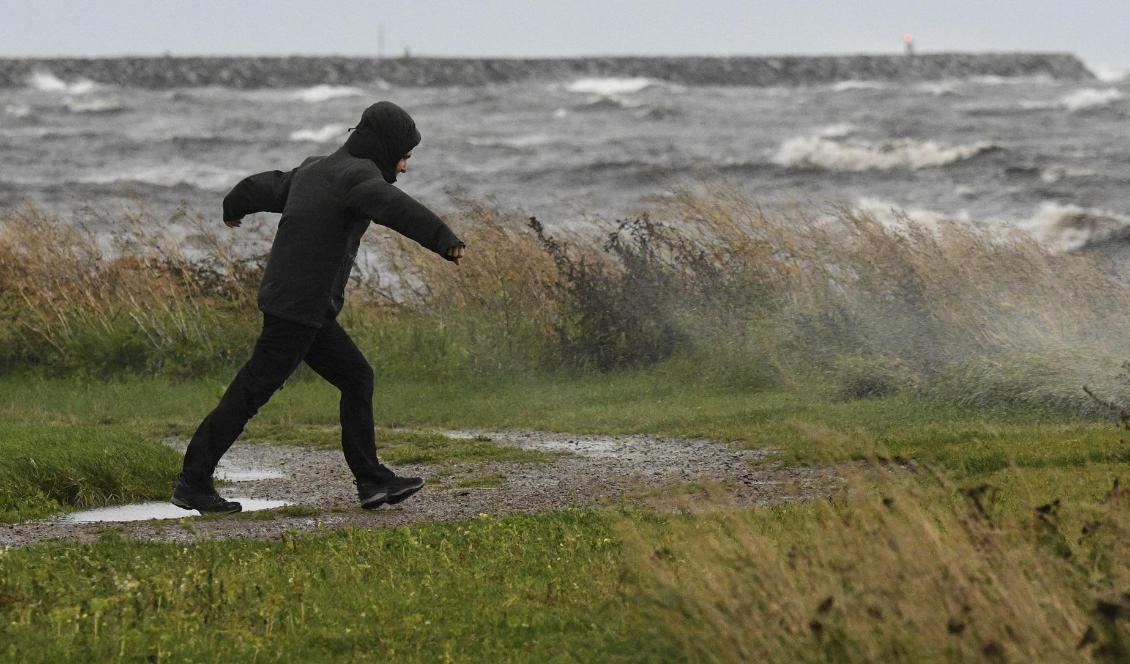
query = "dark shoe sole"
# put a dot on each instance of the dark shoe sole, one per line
(229, 508)
(391, 499)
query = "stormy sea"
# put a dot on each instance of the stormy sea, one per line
(1039, 142)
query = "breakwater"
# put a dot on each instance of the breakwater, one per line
(294, 71)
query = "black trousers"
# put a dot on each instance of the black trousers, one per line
(281, 346)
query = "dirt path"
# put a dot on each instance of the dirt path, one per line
(595, 470)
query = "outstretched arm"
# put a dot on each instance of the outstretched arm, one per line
(389, 206)
(262, 192)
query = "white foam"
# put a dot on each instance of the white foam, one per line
(526, 141)
(1089, 98)
(937, 88)
(818, 151)
(17, 110)
(609, 86)
(838, 130)
(895, 215)
(849, 85)
(93, 105)
(1054, 174)
(320, 93)
(319, 135)
(1071, 227)
(560, 113)
(45, 81)
(991, 79)
(1110, 73)
(203, 176)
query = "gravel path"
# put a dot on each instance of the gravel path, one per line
(594, 470)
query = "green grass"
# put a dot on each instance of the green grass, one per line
(804, 428)
(45, 468)
(481, 481)
(521, 588)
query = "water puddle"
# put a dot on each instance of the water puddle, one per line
(234, 474)
(156, 510)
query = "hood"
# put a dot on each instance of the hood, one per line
(385, 134)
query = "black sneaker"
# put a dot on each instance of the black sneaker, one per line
(201, 497)
(390, 490)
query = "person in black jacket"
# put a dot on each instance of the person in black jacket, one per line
(327, 204)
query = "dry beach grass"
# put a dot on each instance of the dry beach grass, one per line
(833, 298)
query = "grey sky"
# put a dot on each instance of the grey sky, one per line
(1093, 29)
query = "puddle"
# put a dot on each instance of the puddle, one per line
(247, 474)
(156, 510)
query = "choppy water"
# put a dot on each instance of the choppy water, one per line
(1054, 155)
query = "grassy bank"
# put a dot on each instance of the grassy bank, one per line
(47, 468)
(518, 589)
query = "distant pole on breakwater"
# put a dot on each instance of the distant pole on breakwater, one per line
(908, 40)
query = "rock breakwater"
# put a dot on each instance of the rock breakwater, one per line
(282, 72)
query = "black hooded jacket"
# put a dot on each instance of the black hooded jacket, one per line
(326, 205)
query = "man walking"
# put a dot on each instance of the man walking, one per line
(327, 204)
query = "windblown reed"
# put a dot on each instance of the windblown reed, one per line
(923, 571)
(825, 298)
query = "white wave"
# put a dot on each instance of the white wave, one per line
(320, 93)
(1056, 173)
(1110, 73)
(560, 113)
(992, 79)
(320, 135)
(93, 105)
(1036, 105)
(526, 141)
(845, 86)
(203, 176)
(937, 88)
(838, 130)
(809, 151)
(609, 86)
(1089, 98)
(894, 215)
(17, 110)
(45, 81)
(1071, 227)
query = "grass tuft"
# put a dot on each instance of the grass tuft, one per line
(50, 468)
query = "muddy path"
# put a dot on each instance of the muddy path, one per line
(590, 471)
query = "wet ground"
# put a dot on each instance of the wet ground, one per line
(296, 488)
